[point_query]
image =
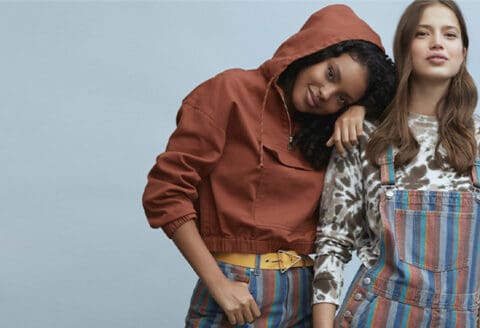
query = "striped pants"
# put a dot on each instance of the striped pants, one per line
(284, 299)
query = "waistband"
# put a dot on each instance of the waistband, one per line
(281, 260)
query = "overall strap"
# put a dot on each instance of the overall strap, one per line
(476, 173)
(387, 171)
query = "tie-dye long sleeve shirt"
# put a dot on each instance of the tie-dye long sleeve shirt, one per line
(349, 210)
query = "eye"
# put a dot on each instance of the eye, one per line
(451, 35)
(421, 34)
(330, 73)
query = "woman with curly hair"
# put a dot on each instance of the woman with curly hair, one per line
(407, 199)
(238, 186)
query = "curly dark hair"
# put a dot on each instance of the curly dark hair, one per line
(315, 130)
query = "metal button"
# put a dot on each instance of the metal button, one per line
(477, 197)
(389, 194)
(347, 314)
(367, 281)
(357, 297)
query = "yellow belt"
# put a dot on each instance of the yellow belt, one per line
(281, 260)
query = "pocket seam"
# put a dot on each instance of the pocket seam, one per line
(465, 262)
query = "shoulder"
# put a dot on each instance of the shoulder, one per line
(216, 96)
(220, 82)
(368, 128)
(228, 85)
(233, 76)
(476, 122)
(231, 91)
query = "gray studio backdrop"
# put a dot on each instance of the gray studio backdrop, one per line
(88, 97)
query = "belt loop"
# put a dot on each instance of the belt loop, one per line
(257, 265)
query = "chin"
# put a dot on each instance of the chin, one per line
(436, 77)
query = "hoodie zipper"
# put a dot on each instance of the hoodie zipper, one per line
(290, 136)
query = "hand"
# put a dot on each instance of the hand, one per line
(348, 127)
(233, 296)
(236, 301)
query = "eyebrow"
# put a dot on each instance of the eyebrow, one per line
(338, 73)
(446, 27)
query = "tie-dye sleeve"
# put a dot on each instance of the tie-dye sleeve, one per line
(339, 228)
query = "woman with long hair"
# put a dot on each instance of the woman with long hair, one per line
(237, 188)
(407, 198)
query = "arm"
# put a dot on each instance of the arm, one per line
(323, 315)
(338, 232)
(193, 151)
(232, 296)
(348, 127)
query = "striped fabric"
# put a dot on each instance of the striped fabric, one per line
(387, 171)
(283, 298)
(428, 271)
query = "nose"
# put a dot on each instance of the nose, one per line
(326, 91)
(436, 41)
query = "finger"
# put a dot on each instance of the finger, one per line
(359, 129)
(247, 314)
(336, 135)
(330, 142)
(239, 318)
(231, 318)
(353, 135)
(255, 310)
(346, 137)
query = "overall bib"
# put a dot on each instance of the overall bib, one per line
(428, 271)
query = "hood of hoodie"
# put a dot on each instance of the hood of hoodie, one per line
(326, 27)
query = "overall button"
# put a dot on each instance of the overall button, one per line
(477, 197)
(367, 281)
(347, 314)
(389, 194)
(357, 297)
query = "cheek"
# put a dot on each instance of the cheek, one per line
(459, 56)
(459, 53)
(299, 82)
(416, 60)
(296, 99)
(416, 53)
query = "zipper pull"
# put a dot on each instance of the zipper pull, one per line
(290, 143)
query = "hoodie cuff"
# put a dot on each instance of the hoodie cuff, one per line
(171, 227)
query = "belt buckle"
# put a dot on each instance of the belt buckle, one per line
(291, 256)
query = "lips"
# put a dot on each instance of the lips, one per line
(437, 59)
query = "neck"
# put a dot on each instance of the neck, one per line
(426, 95)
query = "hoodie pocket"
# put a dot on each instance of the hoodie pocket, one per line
(287, 158)
(288, 192)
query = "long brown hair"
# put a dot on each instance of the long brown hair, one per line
(454, 111)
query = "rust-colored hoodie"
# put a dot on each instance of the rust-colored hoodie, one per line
(228, 165)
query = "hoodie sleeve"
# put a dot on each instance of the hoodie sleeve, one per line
(192, 151)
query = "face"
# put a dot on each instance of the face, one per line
(326, 87)
(437, 49)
